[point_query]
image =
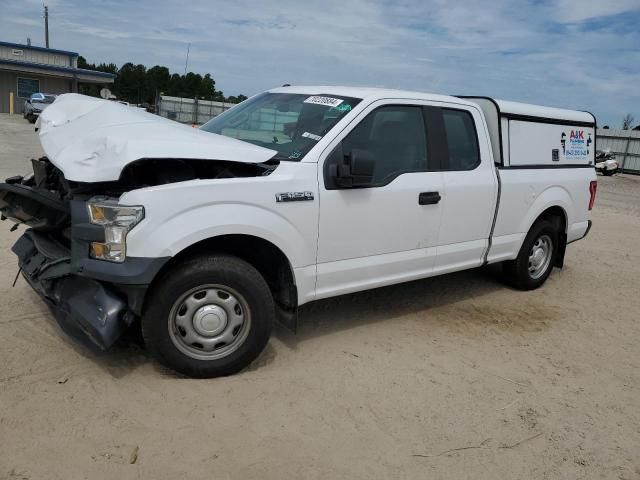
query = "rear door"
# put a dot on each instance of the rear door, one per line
(470, 189)
(388, 232)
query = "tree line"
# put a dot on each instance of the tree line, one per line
(137, 84)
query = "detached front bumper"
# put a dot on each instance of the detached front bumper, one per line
(91, 310)
(84, 308)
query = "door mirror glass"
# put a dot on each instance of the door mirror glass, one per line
(356, 170)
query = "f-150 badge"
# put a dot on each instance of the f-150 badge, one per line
(294, 196)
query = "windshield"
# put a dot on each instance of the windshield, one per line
(289, 123)
(46, 99)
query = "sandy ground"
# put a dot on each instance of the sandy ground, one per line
(448, 378)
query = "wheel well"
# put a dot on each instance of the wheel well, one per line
(555, 215)
(263, 255)
(558, 217)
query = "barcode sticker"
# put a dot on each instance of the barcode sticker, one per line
(311, 136)
(326, 101)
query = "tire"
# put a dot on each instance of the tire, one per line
(210, 316)
(522, 272)
(31, 118)
(608, 173)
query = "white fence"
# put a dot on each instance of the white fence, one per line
(625, 144)
(189, 110)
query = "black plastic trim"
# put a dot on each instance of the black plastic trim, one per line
(437, 148)
(34, 207)
(544, 167)
(547, 120)
(133, 271)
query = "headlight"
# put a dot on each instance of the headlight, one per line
(116, 220)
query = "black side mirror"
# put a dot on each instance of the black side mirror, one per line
(356, 171)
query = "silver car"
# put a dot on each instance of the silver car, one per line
(36, 104)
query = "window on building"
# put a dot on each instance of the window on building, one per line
(27, 87)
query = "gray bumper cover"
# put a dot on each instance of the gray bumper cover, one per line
(85, 308)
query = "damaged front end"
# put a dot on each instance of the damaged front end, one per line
(70, 254)
(91, 299)
(73, 252)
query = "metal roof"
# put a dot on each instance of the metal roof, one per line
(40, 49)
(56, 68)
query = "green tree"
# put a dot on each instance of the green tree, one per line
(130, 84)
(136, 84)
(175, 86)
(207, 89)
(158, 78)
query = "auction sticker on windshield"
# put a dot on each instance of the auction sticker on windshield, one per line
(326, 101)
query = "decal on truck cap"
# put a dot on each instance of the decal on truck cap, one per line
(575, 145)
(326, 101)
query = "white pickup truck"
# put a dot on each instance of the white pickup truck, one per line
(207, 236)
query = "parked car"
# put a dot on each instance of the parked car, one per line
(207, 236)
(35, 104)
(606, 163)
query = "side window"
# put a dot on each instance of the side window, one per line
(462, 140)
(395, 137)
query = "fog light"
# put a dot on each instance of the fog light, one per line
(116, 220)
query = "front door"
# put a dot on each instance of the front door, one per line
(386, 232)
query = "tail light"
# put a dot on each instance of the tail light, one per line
(593, 186)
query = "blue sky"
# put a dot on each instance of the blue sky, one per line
(580, 54)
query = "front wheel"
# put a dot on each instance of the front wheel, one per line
(209, 316)
(536, 258)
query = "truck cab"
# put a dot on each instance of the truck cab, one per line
(207, 236)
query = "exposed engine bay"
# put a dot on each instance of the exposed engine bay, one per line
(41, 200)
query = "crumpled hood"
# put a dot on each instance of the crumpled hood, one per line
(92, 140)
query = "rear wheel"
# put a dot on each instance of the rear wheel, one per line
(210, 316)
(536, 258)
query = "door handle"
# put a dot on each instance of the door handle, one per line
(429, 198)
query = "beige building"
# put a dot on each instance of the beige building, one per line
(25, 69)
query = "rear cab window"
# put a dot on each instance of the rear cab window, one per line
(462, 140)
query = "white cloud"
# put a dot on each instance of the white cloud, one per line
(580, 10)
